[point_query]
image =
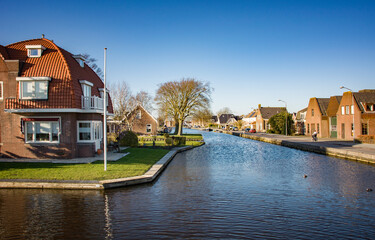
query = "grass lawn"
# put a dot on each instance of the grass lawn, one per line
(136, 163)
(196, 140)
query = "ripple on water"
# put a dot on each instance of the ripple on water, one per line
(229, 188)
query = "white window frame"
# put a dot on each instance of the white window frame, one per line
(96, 129)
(352, 109)
(38, 48)
(86, 88)
(342, 110)
(347, 109)
(1, 91)
(33, 80)
(50, 131)
(80, 59)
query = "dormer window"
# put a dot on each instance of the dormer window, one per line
(80, 59)
(86, 87)
(35, 50)
(33, 87)
(101, 90)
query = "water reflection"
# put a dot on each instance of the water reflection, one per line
(229, 188)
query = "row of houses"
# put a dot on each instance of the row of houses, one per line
(346, 117)
(256, 119)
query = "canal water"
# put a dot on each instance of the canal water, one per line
(231, 188)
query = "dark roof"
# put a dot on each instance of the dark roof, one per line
(364, 96)
(3, 53)
(268, 112)
(214, 118)
(223, 118)
(323, 105)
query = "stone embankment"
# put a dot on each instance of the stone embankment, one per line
(342, 149)
(149, 176)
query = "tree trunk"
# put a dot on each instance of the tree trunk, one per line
(177, 124)
(180, 125)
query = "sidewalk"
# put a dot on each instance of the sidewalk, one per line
(111, 156)
(337, 148)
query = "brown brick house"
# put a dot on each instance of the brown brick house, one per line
(51, 102)
(364, 115)
(316, 117)
(264, 114)
(332, 108)
(141, 121)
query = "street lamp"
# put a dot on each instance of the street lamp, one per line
(342, 87)
(286, 118)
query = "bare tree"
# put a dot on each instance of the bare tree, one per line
(182, 98)
(224, 110)
(145, 99)
(122, 100)
(91, 62)
(202, 116)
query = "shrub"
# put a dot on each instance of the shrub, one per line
(168, 141)
(111, 137)
(129, 139)
(177, 141)
(166, 135)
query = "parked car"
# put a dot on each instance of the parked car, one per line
(235, 128)
(247, 129)
(252, 131)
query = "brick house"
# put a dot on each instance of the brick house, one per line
(141, 121)
(364, 115)
(51, 103)
(264, 114)
(332, 108)
(299, 121)
(316, 117)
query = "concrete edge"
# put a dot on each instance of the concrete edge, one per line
(329, 151)
(149, 176)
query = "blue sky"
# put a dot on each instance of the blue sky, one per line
(251, 52)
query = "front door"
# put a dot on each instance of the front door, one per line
(343, 130)
(333, 127)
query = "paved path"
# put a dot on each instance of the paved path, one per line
(338, 148)
(111, 156)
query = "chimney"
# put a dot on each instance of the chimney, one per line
(42, 35)
(259, 106)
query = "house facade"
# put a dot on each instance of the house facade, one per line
(51, 103)
(362, 105)
(299, 121)
(316, 117)
(250, 119)
(141, 121)
(332, 108)
(264, 114)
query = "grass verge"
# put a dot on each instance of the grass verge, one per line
(134, 164)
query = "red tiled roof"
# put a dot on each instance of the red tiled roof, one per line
(64, 89)
(3, 52)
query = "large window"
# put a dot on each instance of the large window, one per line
(352, 109)
(33, 87)
(342, 110)
(347, 109)
(312, 112)
(89, 131)
(42, 131)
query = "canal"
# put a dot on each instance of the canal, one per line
(230, 188)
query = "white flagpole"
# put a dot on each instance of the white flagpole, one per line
(105, 111)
